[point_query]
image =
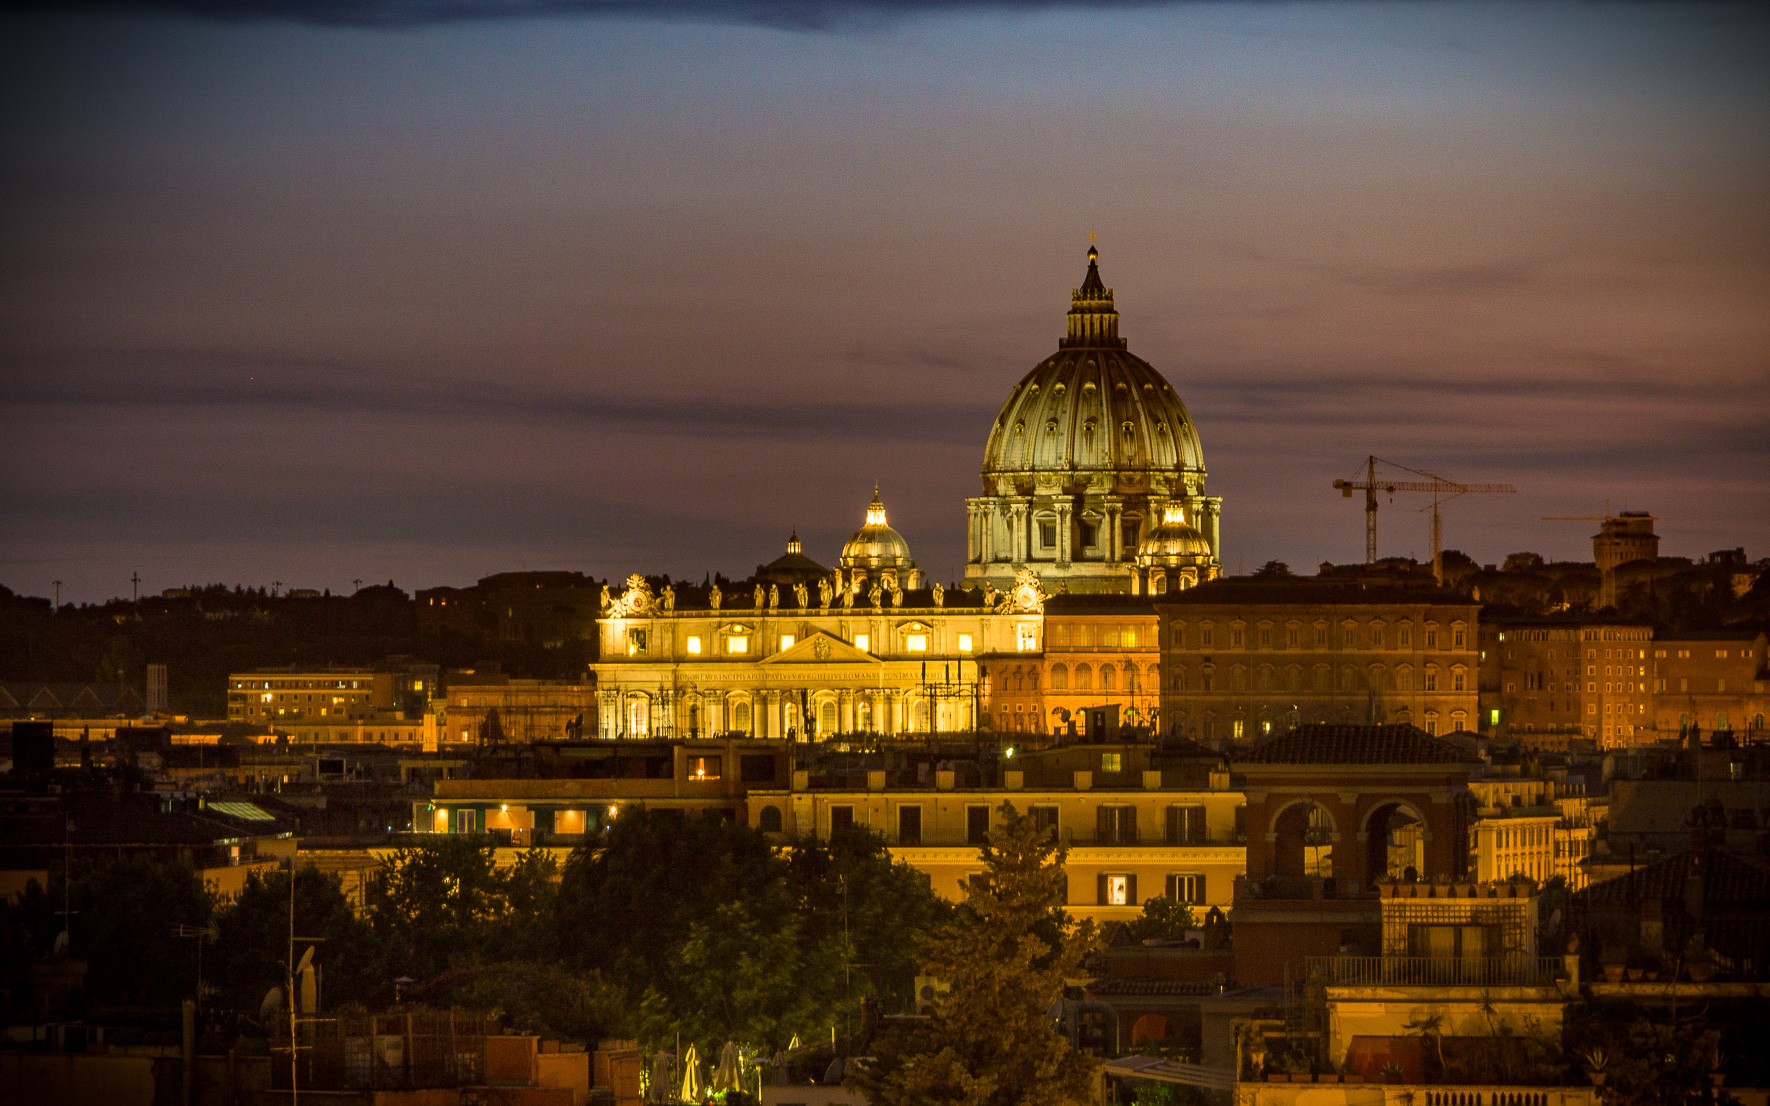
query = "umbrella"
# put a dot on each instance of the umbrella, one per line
(692, 1088)
(725, 1074)
(658, 1088)
(778, 1070)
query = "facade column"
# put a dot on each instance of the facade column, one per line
(972, 546)
(1114, 536)
(1063, 533)
(664, 718)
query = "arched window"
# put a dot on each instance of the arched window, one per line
(1084, 678)
(1059, 677)
(1108, 677)
(1032, 679)
(826, 718)
(1404, 678)
(1348, 679)
(1152, 677)
(740, 717)
(769, 820)
(1265, 677)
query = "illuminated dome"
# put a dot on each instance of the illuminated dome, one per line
(877, 552)
(1173, 540)
(1173, 557)
(1084, 457)
(1091, 407)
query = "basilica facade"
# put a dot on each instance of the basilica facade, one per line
(1093, 483)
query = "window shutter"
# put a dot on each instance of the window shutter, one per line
(1198, 889)
(1173, 826)
(1100, 896)
(1174, 888)
(1130, 827)
(1131, 889)
(1103, 832)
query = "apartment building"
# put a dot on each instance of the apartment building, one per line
(1550, 681)
(1136, 827)
(1243, 660)
(1716, 680)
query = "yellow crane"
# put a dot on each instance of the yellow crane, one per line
(1442, 489)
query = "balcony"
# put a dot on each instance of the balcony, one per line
(1312, 888)
(1437, 971)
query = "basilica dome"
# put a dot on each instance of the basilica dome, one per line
(1083, 460)
(1092, 406)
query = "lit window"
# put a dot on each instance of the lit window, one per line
(787, 641)
(1028, 639)
(694, 646)
(964, 643)
(737, 644)
(862, 642)
(916, 643)
(703, 768)
(1111, 762)
(1118, 890)
(635, 642)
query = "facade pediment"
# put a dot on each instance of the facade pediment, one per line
(822, 648)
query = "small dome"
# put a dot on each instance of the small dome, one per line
(876, 545)
(1173, 540)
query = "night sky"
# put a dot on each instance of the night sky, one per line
(389, 296)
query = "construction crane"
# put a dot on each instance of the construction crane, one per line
(1443, 491)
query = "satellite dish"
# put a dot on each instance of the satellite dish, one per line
(61, 943)
(273, 1002)
(306, 961)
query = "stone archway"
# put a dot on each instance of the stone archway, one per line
(1303, 841)
(1394, 842)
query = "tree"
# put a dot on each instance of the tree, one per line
(124, 911)
(738, 977)
(1663, 1065)
(1272, 570)
(880, 908)
(719, 937)
(1005, 953)
(446, 903)
(546, 999)
(252, 941)
(1162, 918)
(625, 908)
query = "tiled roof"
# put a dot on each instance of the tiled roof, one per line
(1727, 880)
(1306, 590)
(1337, 744)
